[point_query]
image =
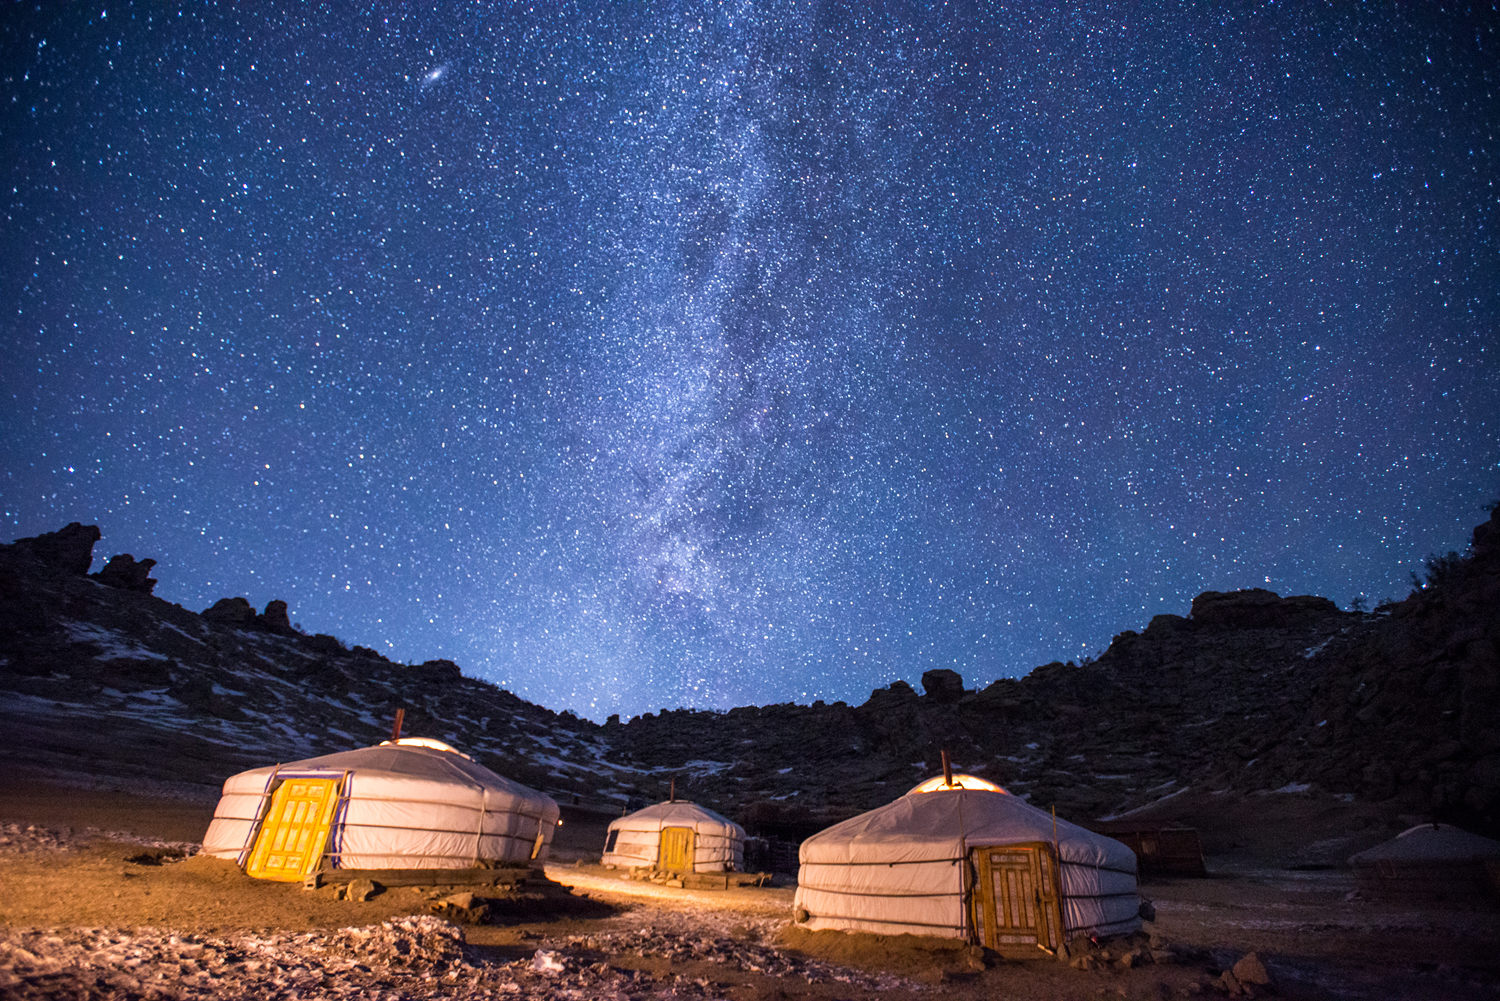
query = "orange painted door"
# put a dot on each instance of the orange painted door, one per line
(676, 849)
(295, 830)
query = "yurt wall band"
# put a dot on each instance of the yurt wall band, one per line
(924, 897)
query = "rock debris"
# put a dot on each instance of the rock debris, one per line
(409, 958)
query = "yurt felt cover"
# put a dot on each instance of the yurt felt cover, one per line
(719, 843)
(900, 868)
(1429, 860)
(1428, 844)
(405, 807)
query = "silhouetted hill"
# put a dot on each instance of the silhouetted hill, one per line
(1250, 693)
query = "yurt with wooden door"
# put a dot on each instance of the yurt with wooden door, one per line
(414, 803)
(676, 836)
(964, 859)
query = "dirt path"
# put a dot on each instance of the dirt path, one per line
(598, 881)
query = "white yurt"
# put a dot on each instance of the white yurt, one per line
(1429, 860)
(414, 803)
(965, 859)
(678, 836)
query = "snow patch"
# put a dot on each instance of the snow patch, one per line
(1292, 787)
(1313, 651)
(114, 645)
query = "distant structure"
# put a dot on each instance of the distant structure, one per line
(676, 836)
(1437, 861)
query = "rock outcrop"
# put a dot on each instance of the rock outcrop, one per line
(238, 613)
(235, 612)
(274, 619)
(1411, 705)
(943, 685)
(1257, 608)
(125, 573)
(69, 550)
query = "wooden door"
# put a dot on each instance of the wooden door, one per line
(676, 849)
(1016, 899)
(295, 830)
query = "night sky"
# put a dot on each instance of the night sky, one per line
(644, 355)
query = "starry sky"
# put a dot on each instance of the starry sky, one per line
(643, 355)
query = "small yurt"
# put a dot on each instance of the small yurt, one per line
(1430, 860)
(962, 858)
(414, 803)
(676, 836)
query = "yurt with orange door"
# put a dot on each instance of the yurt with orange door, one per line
(677, 836)
(964, 859)
(414, 803)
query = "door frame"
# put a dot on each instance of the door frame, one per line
(692, 849)
(1047, 898)
(318, 828)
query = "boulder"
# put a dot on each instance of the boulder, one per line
(943, 685)
(69, 549)
(361, 890)
(1250, 970)
(463, 908)
(897, 693)
(440, 671)
(235, 612)
(125, 573)
(1165, 623)
(274, 619)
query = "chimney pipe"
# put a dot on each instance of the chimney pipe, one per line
(947, 770)
(396, 726)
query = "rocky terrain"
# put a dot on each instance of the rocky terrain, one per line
(1249, 692)
(407, 956)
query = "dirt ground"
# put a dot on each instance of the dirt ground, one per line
(94, 904)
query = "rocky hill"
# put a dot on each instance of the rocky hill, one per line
(1249, 692)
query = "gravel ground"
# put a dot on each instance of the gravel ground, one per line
(409, 957)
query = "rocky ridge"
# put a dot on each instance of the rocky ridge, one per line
(1248, 692)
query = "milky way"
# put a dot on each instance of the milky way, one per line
(641, 355)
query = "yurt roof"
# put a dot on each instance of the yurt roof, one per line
(943, 824)
(1431, 843)
(405, 760)
(676, 813)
